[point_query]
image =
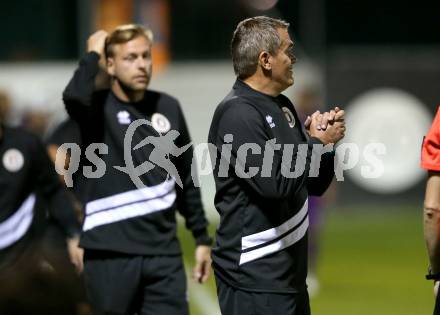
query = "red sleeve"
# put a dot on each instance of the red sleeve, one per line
(430, 159)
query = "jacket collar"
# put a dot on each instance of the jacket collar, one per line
(245, 89)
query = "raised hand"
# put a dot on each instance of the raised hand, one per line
(96, 43)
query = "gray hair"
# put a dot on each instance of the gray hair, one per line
(251, 37)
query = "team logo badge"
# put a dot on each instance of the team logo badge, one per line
(269, 120)
(289, 116)
(124, 117)
(13, 160)
(160, 123)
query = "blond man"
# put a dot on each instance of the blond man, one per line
(132, 259)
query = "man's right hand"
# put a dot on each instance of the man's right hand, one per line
(96, 42)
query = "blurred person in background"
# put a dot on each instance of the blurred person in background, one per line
(430, 161)
(66, 132)
(29, 288)
(28, 186)
(132, 258)
(36, 121)
(5, 106)
(260, 256)
(53, 247)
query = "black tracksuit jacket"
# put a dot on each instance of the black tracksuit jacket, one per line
(119, 217)
(261, 242)
(28, 186)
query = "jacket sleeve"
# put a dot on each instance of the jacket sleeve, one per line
(430, 157)
(246, 126)
(318, 185)
(78, 95)
(51, 188)
(189, 201)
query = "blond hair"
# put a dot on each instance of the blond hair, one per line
(125, 33)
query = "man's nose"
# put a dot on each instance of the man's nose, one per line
(142, 63)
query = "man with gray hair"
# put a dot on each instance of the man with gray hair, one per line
(260, 255)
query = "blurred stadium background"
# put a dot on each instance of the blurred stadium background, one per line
(379, 60)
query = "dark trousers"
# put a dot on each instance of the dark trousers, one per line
(120, 284)
(239, 302)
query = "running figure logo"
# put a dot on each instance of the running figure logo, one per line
(164, 147)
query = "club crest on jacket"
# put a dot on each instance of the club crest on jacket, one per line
(13, 160)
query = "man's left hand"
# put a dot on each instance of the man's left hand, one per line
(202, 270)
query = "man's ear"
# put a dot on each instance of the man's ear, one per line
(110, 66)
(264, 60)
